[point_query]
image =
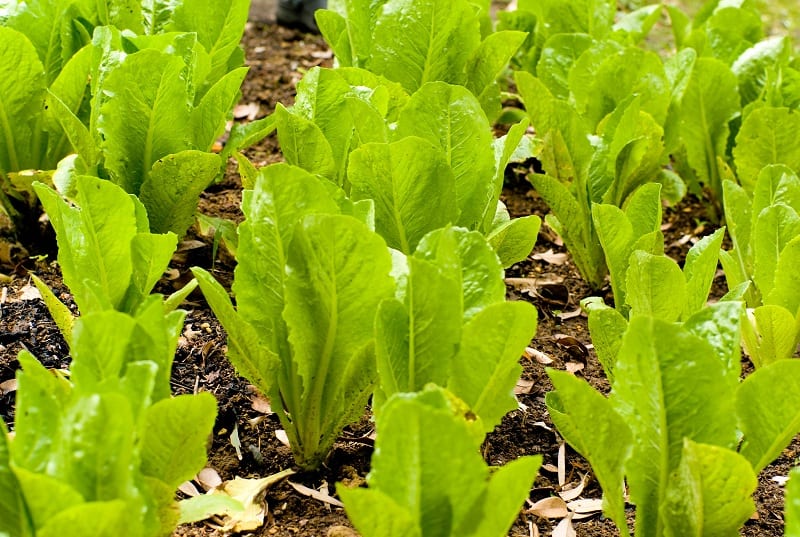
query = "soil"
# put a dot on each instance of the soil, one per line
(278, 57)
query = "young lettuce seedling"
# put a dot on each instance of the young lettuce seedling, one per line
(449, 324)
(308, 284)
(583, 170)
(180, 108)
(103, 452)
(765, 232)
(32, 138)
(671, 427)
(428, 477)
(413, 42)
(431, 153)
(108, 257)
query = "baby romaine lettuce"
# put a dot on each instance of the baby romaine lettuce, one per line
(307, 298)
(163, 154)
(31, 137)
(793, 504)
(624, 231)
(674, 416)
(108, 257)
(413, 42)
(428, 478)
(582, 169)
(375, 141)
(449, 324)
(765, 232)
(89, 451)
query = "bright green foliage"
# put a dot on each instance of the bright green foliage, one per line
(625, 153)
(793, 504)
(450, 325)
(767, 136)
(155, 105)
(30, 136)
(710, 101)
(111, 441)
(622, 232)
(307, 286)
(765, 232)
(427, 160)
(156, 112)
(108, 257)
(417, 41)
(674, 414)
(428, 477)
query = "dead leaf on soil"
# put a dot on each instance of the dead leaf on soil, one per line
(533, 529)
(250, 492)
(316, 494)
(260, 404)
(8, 386)
(523, 386)
(247, 111)
(564, 528)
(29, 292)
(539, 356)
(282, 437)
(551, 257)
(552, 507)
(562, 464)
(571, 491)
(188, 488)
(208, 478)
(585, 507)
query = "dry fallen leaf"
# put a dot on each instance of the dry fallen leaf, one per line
(208, 478)
(188, 488)
(261, 404)
(562, 464)
(552, 507)
(523, 386)
(316, 494)
(8, 386)
(29, 292)
(538, 355)
(341, 531)
(571, 491)
(246, 111)
(250, 492)
(564, 528)
(586, 506)
(281, 435)
(552, 257)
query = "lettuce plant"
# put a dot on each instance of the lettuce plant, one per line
(50, 109)
(793, 504)
(413, 42)
(163, 156)
(108, 257)
(102, 453)
(765, 233)
(428, 478)
(449, 324)
(31, 137)
(309, 279)
(431, 153)
(582, 170)
(671, 428)
(646, 282)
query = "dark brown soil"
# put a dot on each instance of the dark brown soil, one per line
(278, 57)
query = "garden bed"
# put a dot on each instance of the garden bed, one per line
(277, 58)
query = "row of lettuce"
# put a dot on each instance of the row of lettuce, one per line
(370, 264)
